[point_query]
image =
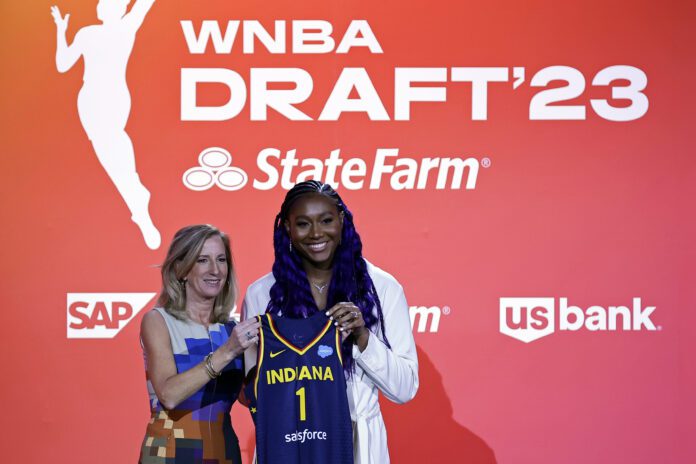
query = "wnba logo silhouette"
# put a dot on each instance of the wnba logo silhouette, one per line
(104, 103)
(214, 169)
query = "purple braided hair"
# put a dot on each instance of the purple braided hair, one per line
(291, 295)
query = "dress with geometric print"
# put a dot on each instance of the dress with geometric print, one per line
(199, 429)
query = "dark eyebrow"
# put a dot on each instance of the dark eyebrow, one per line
(325, 213)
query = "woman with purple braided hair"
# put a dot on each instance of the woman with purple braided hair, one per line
(319, 267)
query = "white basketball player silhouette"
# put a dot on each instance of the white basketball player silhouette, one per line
(104, 103)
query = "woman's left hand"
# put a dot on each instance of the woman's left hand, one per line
(244, 334)
(348, 318)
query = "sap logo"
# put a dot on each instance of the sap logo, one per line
(529, 319)
(102, 315)
(428, 317)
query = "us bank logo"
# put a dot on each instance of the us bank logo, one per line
(529, 319)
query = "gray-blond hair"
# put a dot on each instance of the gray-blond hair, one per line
(181, 257)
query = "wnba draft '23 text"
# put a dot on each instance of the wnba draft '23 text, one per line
(283, 90)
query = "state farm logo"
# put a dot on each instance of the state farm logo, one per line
(102, 315)
(529, 319)
(387, 168)
(214, 168)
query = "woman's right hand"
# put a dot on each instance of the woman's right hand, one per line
(61, 22)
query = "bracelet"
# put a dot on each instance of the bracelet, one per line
(207, 370)
(212, 373)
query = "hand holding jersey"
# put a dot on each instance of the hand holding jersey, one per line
(244, 335)
(349, 321)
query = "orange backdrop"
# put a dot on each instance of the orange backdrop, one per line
(593, 210)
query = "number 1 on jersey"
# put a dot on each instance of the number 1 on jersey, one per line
(303, 405)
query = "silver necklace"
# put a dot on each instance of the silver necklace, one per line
(320, 288)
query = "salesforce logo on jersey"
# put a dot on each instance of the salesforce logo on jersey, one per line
(324, 351)
(529, 319)
(305, 434)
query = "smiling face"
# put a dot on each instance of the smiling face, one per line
(315, 225)
(207, 277)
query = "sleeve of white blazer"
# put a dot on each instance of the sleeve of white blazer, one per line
(394, 370)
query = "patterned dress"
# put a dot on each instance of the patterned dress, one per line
(199, 430)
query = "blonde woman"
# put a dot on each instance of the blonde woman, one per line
(193, 353)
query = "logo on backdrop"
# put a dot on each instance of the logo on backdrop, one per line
(102, 315)
(386, 169)
(104, 103)
(529, 319)
(427, 318)
(214, 169)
